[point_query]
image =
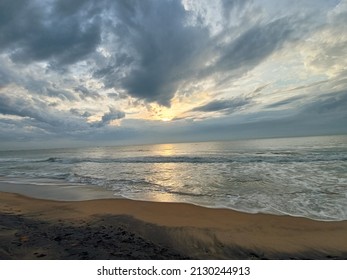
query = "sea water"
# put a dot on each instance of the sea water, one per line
(304, 176)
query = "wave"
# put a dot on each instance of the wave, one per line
(322, 204)
(245, 158)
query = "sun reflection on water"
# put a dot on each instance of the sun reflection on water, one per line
(165, 149)
(165, 175)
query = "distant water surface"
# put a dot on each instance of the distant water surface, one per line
(304, 176)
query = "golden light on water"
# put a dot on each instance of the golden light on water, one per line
(165, 149)
(165, 176)
(167, 182)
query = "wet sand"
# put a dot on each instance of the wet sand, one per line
(32, 228)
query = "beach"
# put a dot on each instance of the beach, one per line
(173, 130)
(113, 228)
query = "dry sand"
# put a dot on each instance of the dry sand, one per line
(32, 228)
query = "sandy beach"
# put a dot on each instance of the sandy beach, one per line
(108, 228)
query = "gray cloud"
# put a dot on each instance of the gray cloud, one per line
(4, 78)
(164, 59)
(78, 112)
(107, 118)
(334, 103)
(84, 92)
(33, 31)
(17, 107)
(164, 48)
(15, 131)
(251, 47)
(156, 51)
(37, 114)
(229, 6)
(284, 102)
(228, 106)
(113, 114)
(7, 74)
(117, 95)
(61, 94)
(84, 54)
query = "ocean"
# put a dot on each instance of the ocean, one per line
(305, 176)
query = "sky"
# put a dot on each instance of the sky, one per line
(85, 72)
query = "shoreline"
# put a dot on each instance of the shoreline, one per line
(32, 228)
(54, 190)
(58, 190)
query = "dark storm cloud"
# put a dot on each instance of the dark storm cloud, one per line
(228, 106)
(32, 31)
(165, 49)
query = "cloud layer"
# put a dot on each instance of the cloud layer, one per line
(120, 69)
